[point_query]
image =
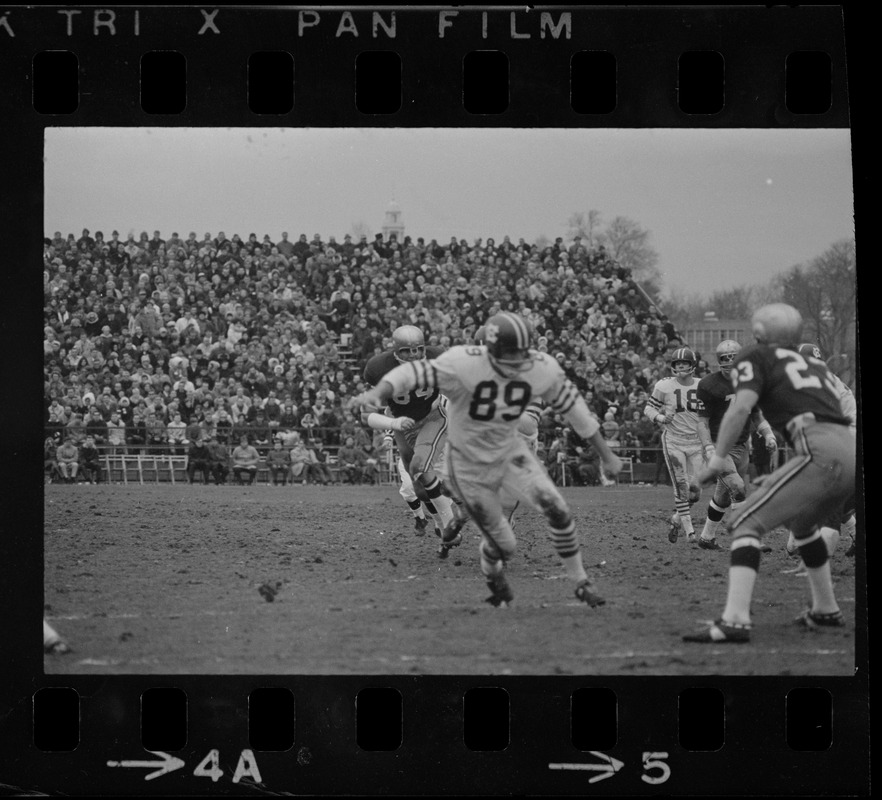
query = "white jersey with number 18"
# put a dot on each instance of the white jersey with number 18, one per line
(679, 403)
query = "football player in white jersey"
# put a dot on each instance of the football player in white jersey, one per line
(674, 405)
(488, 389)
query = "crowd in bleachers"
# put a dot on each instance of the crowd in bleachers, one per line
(153, 343)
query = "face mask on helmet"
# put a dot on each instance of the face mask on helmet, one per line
(682, 369)
(726, 354)
(414, 353)
(408, 344)
(683, 362)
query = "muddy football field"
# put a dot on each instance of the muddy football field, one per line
(173, 580)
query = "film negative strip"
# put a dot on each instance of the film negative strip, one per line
(295, 639)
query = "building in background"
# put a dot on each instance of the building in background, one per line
(704, 336)
(393, 225)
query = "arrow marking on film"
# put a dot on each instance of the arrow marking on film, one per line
(608, 769)
(168, 764)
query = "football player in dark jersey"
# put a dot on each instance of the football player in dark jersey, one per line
(418, 420)
(846, 525)
(715, 393)
(798, 398)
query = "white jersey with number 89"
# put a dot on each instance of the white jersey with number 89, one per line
(484, 407)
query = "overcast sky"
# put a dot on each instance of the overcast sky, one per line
(724, 208)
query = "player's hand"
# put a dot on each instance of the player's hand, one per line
(364, 400)
(403, 423)
(709, 474)
(661, 419)
(771, 443)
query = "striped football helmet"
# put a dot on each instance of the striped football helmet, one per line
(408, 343)
(727, 350)
(507, 337)
(683, 362)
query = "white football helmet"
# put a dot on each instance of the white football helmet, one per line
(683, 362)
(507, 337)
(777, 323)
(726, 352)
(408, 343)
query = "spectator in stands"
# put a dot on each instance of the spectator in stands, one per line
(587, 466)
(157, 434)
(198, 460)
(351, 461)
(278, 461)
(219, 460)
(176, 432)
(50, 459)
(67, 456)
(610, 427)
(116, 435)
(259, 431)
(96, 427)
(301, 459)
(317, 467)
(76, 429)
(245, 462)
(90, 461)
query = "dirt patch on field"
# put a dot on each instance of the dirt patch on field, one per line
(167, 580)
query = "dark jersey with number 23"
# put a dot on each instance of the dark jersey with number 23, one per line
(418, 403)
(787, 385)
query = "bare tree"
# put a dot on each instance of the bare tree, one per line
(585, 225)
(360, 229)
(825, 292)
(628, 243)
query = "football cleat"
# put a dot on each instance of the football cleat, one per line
(585, 594)
(673, 532)
(708, 544)
(721, 632)
(502, 594)
(419, 525)
(408, 343)
(777, 323)
(726, 352)
(683, 362)
(445, 548)
(813, 620)
(690, 537)
(507, 337)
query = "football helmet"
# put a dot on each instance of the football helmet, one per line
(408, 343)
(683, 362)
(808, 349)
(726, 352)
(507, 337)
(480, 336)
(777, 323)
